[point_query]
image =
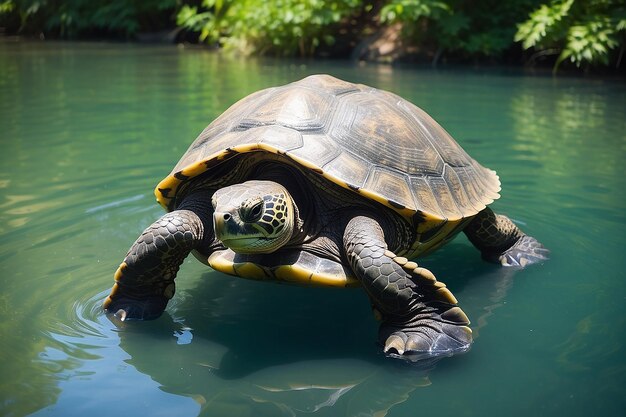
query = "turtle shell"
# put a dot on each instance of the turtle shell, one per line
(369, 141)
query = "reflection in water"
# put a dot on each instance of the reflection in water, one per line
(553, 127)
(242, 356)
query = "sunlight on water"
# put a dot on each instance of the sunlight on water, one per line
(89, 129)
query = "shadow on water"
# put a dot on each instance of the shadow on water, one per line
(240, 347)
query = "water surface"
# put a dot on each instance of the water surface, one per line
(88, 130)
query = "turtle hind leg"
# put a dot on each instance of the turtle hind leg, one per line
(420, 317)
(501, 241)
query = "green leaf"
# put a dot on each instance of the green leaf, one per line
(542, 23)
(7, 6)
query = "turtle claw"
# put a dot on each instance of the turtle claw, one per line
(436, 330)
(121, 314)
(419, 344)
(527, 250)
(395, 343)
(131, 309)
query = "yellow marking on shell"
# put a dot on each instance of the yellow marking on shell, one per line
(119, 272)
(303, 162)
(250, 147)
(107, 302)
(404, 212)
(222, 265)
(420, 248)
(370, 195)
(299, 275)
(326, 280)
(288, 273)
(194, 170)
(250, 270)
(293, 273)
(408, 213)
(172, 183)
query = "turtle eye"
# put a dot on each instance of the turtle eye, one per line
(256, 210)
(252, 213)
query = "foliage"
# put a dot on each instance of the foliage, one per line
(583, 31)
(472, 28)
(7, 6)
(280, 27)
(71, 18)
(413, 10)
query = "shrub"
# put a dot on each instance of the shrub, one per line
(278, 27)
(581, 31)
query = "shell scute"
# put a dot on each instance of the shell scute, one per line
(317, 149)
(364, 123)
(279, 137)
(298, 108)
(423, 193)
(350, 168)
(368, 141)
(228, 121)
(472, 193)
(458, 191)
(444, 196)
(324, 82)
(382, 178)
(446, 147)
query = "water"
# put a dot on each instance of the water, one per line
(87, 131)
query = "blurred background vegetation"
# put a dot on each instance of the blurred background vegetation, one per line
(585, 34)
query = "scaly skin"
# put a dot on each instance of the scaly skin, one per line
(501, 241)
(420, 317)
(144, 282)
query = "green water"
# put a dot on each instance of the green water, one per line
(87, 130)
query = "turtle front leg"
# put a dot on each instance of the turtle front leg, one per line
(420, 316)
(501, 241)
(144, 281)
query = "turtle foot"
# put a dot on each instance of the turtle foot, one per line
(428, 333)
(126, 308)
(527, 250)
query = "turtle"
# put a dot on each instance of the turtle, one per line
(323, 182)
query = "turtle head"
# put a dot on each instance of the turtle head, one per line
(254, 216)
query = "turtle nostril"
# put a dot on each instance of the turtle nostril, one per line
(227, 217)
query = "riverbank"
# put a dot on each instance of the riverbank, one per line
(572, 35)
(414, 62)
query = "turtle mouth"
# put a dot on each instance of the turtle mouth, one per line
(249, 245)
(242, 241)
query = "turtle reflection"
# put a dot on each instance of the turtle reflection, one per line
(246, 348)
